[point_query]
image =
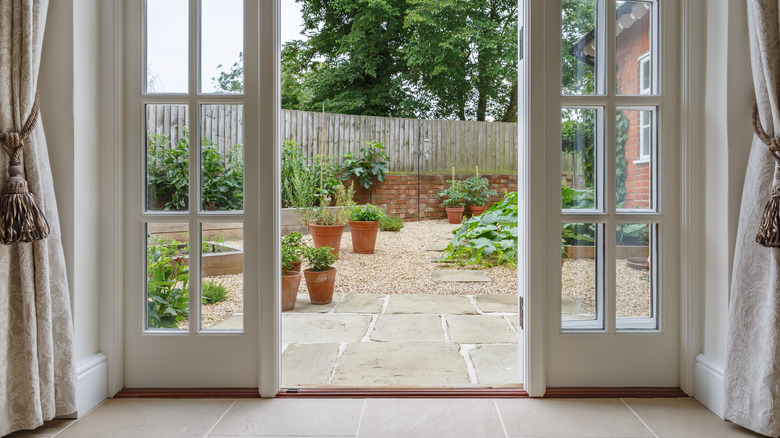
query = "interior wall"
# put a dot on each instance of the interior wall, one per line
(727, 138)
(68, 84)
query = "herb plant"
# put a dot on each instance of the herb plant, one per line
(366, 213)
(320, 259)
(478, 191)
(489, 239)
(213, 292)
(454, 195)
(390, 223)
(167, 285)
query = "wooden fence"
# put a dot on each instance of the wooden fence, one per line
(437, 144)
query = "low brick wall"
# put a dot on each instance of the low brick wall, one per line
(399, 195)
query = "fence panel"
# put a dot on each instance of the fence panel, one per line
(491, 144)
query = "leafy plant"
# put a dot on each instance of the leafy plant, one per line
(167, 285)
(575, 234)
(222, 177)
(295, 244)
(325, 216)
(213, 292)
(390, 223)
(577, 198)
(455, 195)
(489, 239)
(633, 234)
(371, 165)
(301, 180)
(366, 213)
(320, 259)
(478, 191)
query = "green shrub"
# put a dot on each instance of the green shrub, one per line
(478, 191)
(366, 213)
(301, 179)
(320, 259)
(489, 239)
(455, 195)
(390, 223)
(167, 284)
(213, 292)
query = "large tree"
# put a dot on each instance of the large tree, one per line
(411, 58)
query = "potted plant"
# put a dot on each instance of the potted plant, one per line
(321, 275)
(478, 194)
(454, 202)
(296, 248)
(327, 225)
(364, 226)
(291, 279)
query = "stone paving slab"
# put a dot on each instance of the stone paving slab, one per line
(401, 364)
(515, 321)
(408, 328)
(323, 328)
(435, 246)
(303, 305)
(361, 303)
(436, 258)
(308, 364)
(497, 303)
(480, 329)
(433, 304)
(233, 322)
(496, 365)
(460, 275)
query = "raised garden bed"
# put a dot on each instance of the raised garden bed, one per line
(623, 252)
(222, 259)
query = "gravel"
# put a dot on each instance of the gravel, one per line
(400, 265)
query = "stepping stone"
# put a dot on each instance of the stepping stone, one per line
(460, 275)
(423, 364)
(408, 328)
(448, 238)
(323, 328)
(308, 364)
(435, 258)
(430, 304)
(361, 303)
(435, 246)
(497, 303)
(303, 305)
(233, 322)
(480, 329)
(496, 365)
(572, 310)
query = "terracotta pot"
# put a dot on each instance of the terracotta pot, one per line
(291, 280)
(476, 211)
(363, 236)
(296, 266)
(327, 235)
(455, 214)
(320, 285)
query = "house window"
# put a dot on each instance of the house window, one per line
(645, 76)
(645, 135)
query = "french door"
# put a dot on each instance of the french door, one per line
(200, 154)
(605, 126)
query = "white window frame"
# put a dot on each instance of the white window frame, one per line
(645, 142)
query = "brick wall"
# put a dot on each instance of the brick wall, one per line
(632, 43)
(398, 194)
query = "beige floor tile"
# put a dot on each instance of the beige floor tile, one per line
(603, 418)
(141, 418)
(339, 417)
(410, 418)
(308, 364)
(408, 328)
(683, 418)
(49, 428)
(324, 328)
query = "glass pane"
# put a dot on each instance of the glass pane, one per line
(222, 157)
(222, 273)
(634, 159)
(578, 158)
(167, 35)
(222, 46)
(634, 276)
(634, 47)
(579, 47)
(167, 276)
(579, 298)
(167, 158)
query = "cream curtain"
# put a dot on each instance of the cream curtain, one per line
(752, 380)
(37, 375)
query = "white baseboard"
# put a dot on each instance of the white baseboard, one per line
(92, 383)
(708, 385)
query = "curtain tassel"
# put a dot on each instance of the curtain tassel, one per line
(769, 230)
(20, 218)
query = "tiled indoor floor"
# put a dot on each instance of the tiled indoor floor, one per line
(403, 418)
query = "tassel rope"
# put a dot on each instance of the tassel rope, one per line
(20, 218)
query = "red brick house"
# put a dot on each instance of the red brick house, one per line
(634, 77)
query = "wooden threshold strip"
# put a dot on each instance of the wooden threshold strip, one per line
(205, 393)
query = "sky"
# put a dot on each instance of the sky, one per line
(167, 39)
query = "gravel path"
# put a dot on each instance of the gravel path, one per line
(400, 265)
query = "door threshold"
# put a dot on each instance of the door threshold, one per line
(404, 392)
